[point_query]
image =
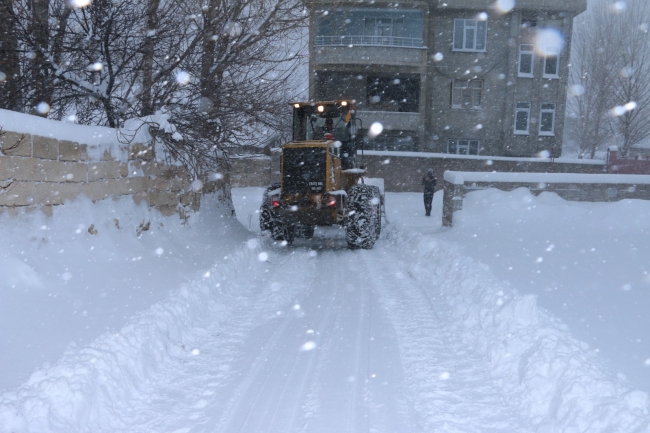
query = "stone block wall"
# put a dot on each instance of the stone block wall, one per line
(41, 172)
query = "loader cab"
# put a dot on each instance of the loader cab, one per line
(331, 120)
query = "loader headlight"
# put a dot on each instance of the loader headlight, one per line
(321, 108)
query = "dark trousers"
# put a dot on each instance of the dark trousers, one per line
(428, 198)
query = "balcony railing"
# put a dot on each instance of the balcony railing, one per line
(385, 41)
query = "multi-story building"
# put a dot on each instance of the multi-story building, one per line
(486, 77)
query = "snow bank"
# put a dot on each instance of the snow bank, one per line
(87, 387)
(561, 385)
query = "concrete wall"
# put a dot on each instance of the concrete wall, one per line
(247, 172)
(403, 173)
(41, 172)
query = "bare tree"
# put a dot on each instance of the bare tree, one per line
(10, 83)
(215, 75)
(238, 81)
(39, 33)
(610, 76)
(148, 56)
(609, 97)
(589, 101)
(630, 121)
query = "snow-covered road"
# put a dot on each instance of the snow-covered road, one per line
(322, 339)
(412, 336)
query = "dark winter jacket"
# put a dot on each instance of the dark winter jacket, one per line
(429, 183)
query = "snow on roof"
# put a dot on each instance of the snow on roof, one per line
(459, 177)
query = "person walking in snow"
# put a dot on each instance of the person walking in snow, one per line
(429, 184)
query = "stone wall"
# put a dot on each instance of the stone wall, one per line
(41, 172)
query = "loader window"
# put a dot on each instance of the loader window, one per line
(310, 124)
(318, 126)
(303, 170)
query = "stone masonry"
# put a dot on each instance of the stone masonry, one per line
(41, 172)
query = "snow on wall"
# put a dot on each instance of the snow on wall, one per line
(458, 178)
(99, 139)
(46, 162)
(480, 157)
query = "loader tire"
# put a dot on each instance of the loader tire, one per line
(361, 224)
(267, 218)
(378, 229)
(282, 231)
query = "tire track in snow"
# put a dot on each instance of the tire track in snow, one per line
(351, 325)
(451, 387)
(336, 372)
(360, 385)
(189, 392)
(290, 368)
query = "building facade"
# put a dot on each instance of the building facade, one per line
(474, 77)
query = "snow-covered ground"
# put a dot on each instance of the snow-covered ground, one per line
(211, 327)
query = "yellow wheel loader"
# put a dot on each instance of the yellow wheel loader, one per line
(321, 183)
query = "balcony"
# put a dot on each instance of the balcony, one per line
(385, 50)
(385, 41)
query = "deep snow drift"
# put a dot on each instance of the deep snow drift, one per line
(423, 337)
(61, 285)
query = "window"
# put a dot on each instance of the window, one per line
(526, 60)
(386, 26)
(527, 23)
(467, 93)
(470, 35)
(528, 31)
(463, 147)
(397, 93)
(552, 62)
(547, 119)
(522, 118)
